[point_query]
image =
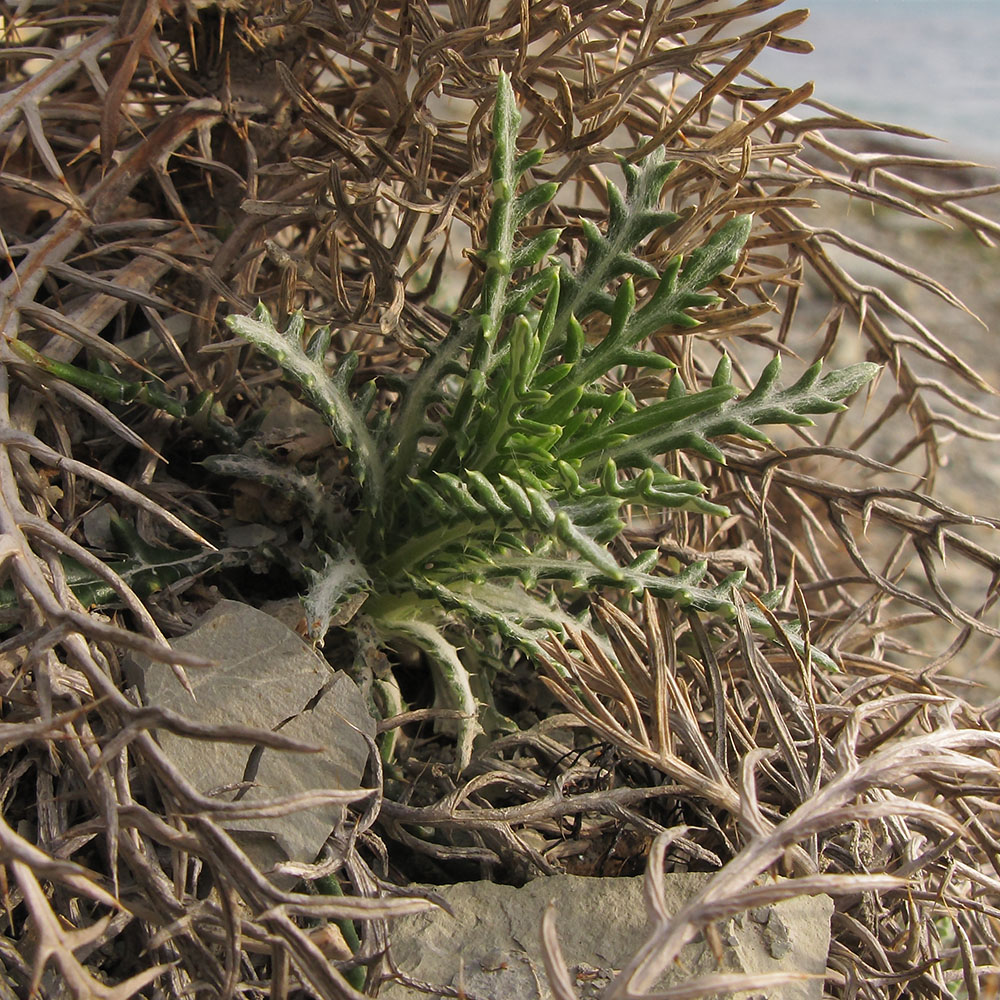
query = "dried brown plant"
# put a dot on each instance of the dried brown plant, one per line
(163, 163)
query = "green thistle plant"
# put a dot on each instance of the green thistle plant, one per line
(485, 519)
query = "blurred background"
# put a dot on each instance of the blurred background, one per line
(927, 64)
(931, 66)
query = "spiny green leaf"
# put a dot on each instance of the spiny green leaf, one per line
(336, 591)
(609, 256)
(202, 412)
(146, 569)
(534, 198)
(650, 433)
(535, 250)
(638, 434)
(329, 396)
(681, 287)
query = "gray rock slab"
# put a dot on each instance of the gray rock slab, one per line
(265, 677)
(490, 947)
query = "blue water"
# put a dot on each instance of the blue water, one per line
(932, 65)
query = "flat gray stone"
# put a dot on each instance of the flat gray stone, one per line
(265, 677)
(491, 946)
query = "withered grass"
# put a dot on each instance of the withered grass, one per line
(166, 163)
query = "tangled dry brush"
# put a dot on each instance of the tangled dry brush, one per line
(166, 163)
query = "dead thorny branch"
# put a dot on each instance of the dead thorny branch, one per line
(164, 163)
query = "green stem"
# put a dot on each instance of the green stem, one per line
(329, 886)
(416, 550)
